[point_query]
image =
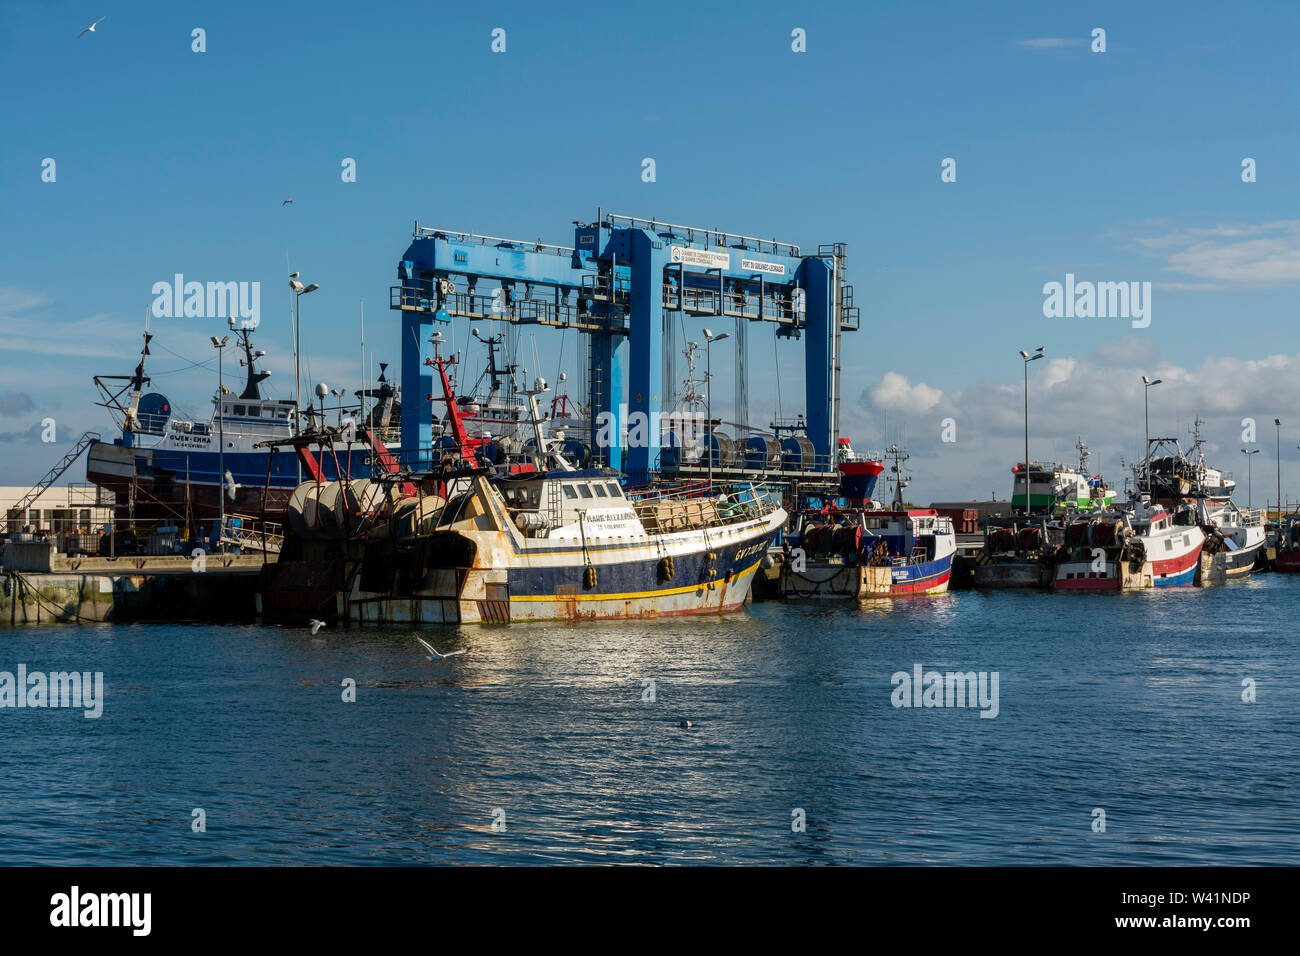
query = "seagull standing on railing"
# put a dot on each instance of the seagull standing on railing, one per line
(435, 652)
(91, 28)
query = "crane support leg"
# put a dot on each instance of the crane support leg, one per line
(817, 281)
(645, 354)
(417, 386)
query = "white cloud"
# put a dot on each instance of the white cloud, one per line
(1238, 255)
(1057, 372)
(18, 300)
(896, 393)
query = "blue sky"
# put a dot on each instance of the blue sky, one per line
(1115, 166)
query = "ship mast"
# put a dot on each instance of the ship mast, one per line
(1084, 455)
(255, 378)
(465, 446)
(138, 381)
(537, 420)
(899, 455)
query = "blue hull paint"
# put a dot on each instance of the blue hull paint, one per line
(922, 576)
(639, 576)
(250, 468)
(1181, 579)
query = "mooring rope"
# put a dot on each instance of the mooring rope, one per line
(60, 614)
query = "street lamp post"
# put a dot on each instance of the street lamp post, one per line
(1277, 422)
(1146, 416)
(220, 345)
(1250, 483)
(709, 339)
(1038, 353)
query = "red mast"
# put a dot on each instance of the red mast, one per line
(467, 446)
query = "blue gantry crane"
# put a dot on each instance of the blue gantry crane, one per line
(623, 283)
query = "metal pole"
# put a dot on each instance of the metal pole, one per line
(1278, 422)
(708, 402)
(1146, 450)
(297, 372)
(297, 353)
(1027, 509)
(221, 452)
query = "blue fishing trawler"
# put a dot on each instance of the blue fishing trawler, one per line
(165, 465)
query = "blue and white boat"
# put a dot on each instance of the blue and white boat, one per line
(866, 553)
(167, 466)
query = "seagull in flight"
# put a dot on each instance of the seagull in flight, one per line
(287, 202)
(434, 651)
(232, 486)
(315, 625)
(91, 28)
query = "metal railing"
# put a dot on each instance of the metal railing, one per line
(252, 534)
(713, 237)
(736, 304)
(519, 311)
(437, 232)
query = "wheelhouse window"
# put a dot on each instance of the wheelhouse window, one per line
(585, 491)
(569, 492)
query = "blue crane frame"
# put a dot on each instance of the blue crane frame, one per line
(617, 283)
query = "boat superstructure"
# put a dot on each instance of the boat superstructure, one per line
(1185, 481)
(1139, 547)
(166, 465)
(1055, 487)
(1171, 475)
(868, 552)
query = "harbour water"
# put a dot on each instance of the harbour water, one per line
(1130, 703)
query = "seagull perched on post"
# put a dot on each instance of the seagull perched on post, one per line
(434, 651)
(91, 28)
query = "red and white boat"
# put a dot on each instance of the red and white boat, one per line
(1141, 547)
